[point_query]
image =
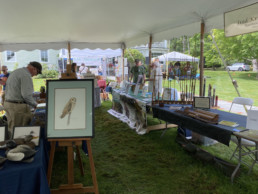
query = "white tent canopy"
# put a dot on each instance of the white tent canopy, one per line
(77, 53)
(51, 24)
(176, 56)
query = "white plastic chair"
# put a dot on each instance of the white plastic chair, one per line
(246, 144)
(242, 101)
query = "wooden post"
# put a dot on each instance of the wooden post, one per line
(123, 64)
(69, 53)
(201, 58)
(150, 44)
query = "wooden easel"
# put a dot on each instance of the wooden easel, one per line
(69, 73)
(71, 187)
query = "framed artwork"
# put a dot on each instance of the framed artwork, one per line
(70, 108)
(170, 94)
(136, 89)
(202, 102)
(127, 87)
(252, 119)
(144, 91)
(23, 131)
(3, 133)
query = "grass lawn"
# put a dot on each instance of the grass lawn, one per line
(37, 83)
(129, 163)
(247, 82)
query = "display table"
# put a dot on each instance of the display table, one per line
(251, 135)
(27, 178)
(217, 132)
(132, 109)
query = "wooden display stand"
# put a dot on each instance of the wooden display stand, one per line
(71, 187)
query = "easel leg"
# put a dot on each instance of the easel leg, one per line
(80, 160)
(51, 160)
(70, 165)
(92, 167)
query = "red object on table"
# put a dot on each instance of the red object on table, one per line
(216, 101)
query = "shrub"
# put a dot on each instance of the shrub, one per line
(47, 73)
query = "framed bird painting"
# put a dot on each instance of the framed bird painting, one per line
(70, 108)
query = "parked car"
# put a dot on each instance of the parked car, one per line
(238, 67)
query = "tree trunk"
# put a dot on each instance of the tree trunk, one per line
(183, 41)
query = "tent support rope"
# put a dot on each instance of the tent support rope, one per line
(234, 82)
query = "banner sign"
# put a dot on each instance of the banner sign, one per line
(88, 61)
(241, 21)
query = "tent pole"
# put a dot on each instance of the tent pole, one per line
(201, 58)
(150, 44)
(234, 82)
(69, 53)
(123, 63)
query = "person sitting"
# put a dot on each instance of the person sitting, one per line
(171, 71)
(188, 68)
(177, 69)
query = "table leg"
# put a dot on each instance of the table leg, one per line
(239, 160)
(165, 130)
(256, 158)
(51, 160)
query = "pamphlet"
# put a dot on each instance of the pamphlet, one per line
(240, 129)
(228, 123)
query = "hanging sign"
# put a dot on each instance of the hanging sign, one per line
(241, 21)
(88, 61)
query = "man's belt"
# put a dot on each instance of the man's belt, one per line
(16, 102)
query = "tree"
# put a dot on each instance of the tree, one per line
(242, 48)
(132, 54)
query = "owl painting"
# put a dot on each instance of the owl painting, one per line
(68, 109)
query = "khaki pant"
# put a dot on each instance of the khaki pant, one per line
(17, 115)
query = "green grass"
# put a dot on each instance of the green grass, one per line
(37, 83)
(247, 82)
(129, 163)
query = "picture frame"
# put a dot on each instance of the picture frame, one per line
(70, 108)
(202, 102)
(170, 94)
(136, 89)
(252, 120)
(22, 131)
(127, 87)
(3, 133)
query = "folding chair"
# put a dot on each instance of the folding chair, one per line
(242, 101)
(246, 144)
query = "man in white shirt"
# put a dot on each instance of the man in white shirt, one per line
(83, 69)
(19, 95)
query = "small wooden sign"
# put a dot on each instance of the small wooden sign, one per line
(202, 102)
